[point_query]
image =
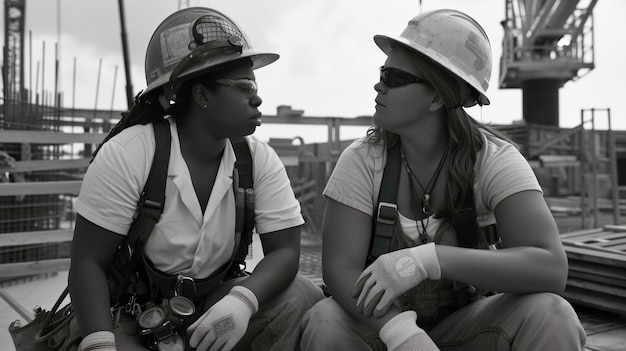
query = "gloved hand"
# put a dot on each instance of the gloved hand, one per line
(98, 341)
(401, 333)
(393, 274)
(223, 325)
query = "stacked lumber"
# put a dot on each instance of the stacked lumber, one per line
(597, 268)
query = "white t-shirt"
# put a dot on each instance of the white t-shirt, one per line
(184, 241)
(500, 171)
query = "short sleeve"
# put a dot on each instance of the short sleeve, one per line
(276, 206)
(503, 171)
(356, 177)
(110, 189)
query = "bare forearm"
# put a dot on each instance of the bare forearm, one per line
(90, 297)
(273, 274)
(340, 282)
(514, 270)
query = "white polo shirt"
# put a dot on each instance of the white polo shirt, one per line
(184, 241)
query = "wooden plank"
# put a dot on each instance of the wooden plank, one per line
(21, 269)
(49, 137)
(601, 239)
(46, 165)
(69, 187)
(581, 233)
(594, 286)
(573, 236)
(615, 228)
(602, 270)
(595, 299)
(620, 282)
(596, 255)
(36, 237)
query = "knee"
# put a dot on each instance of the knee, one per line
(304, 292)
(548, 306)
(321, 314)
(552, 314)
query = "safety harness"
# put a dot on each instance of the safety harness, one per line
(386, 213)
(127, 277)
(433, 300)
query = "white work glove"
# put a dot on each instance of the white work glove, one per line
(98, 341)
(223, 325)
(392, 274)
(401, 333)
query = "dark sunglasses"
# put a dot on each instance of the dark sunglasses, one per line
(393, 77)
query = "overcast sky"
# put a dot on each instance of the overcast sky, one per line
(329, 62)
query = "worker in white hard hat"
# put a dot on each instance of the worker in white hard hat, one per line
(436, 234)
(196, 294)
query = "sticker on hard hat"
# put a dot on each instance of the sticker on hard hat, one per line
(473, 45)
(174, 44)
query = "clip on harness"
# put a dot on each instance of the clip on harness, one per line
(386, 213)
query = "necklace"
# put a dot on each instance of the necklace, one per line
(426, 208)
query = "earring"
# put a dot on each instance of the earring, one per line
(205, 106)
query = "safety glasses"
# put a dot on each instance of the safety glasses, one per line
(393, 77)
(243, 87)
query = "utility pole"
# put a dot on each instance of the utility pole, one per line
(129, 84)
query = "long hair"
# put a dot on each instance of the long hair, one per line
(464, 133)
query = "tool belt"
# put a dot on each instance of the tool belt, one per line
(179, 285)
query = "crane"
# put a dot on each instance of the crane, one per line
(546, 43)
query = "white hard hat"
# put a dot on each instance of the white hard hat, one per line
(451, 39)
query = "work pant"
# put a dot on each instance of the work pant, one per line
(530, 322)
(276, 326)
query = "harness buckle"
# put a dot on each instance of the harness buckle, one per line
(387, 213)
(180, 285)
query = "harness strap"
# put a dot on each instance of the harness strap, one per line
(243, 189)
(386, 212)
(464, 221)
(149, 209)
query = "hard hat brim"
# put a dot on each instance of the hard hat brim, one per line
(259, 59)
(385, 43)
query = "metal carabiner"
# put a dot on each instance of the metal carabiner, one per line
(180, 280)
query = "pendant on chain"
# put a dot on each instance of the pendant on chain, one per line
(426, 204)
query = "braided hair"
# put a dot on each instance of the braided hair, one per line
(143, 111)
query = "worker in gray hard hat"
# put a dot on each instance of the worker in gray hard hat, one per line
(191, 288)
(436, 233)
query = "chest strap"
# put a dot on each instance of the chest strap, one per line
(386, 212)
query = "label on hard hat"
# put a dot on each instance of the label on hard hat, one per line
(175, 44)
(473, 44)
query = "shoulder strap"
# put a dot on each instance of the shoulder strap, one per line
(386, 210)
(244, 192)
(152, 199)
(464, 222)
(149, 209)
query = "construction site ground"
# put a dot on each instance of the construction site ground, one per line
(606, 331)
